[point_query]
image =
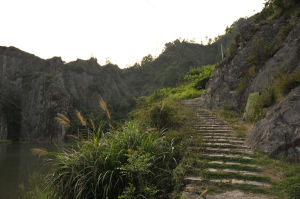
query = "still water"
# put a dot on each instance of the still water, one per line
(17, 163)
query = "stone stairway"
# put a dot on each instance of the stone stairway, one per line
(221, 159)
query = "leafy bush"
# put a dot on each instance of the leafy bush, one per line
(286, 82)
(282, 84)
(35, 189)
(260, 52)
(245, 80)
(165, 114)
(193, 85)
(274, 8)
(129, 163)
(199, 76)
(291, 183)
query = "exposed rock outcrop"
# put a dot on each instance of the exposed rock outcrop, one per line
(223, 87)
(279, 131)
(28, 88)
(33, 91)
(260, 55)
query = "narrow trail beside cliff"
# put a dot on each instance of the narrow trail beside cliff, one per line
(221, 163)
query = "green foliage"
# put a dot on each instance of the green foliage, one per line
(260, 52)
(193, 85)
(165, 114)
(291, 183)
(129, 163)
(281, 85)
(289, 174)
(5, 141)
(231, 50)
(285, 83)
(274, 8)
(35, 189)
(199, 76)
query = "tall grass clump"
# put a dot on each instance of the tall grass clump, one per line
(290, 185)
(164, 114)
(132, 162)
(35, 189)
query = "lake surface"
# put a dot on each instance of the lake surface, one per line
(17, 163)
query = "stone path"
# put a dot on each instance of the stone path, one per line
(220, 160)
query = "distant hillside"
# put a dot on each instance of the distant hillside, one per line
(176, 59)
(33, 90)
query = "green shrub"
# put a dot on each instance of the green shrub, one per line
(199, 76)
(291, 183)
(35, 190)
(245, 80)
(274, 8)
(260, 52)
(230, 51)
(165, 114)
(282, 84)
(286, 83)
(193, 86)
(129, 163)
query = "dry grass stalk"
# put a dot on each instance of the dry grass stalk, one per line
(39, 152)
(62, 119)
(104, 107)
(93, 124)
(81, 118)
(73, 136)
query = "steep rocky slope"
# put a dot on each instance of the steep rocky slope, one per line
(256, 42)
(262, 52)
(280, 130)
(34, 90)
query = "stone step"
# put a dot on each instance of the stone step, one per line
(228, 156)
(213, 170)
(204, 114)
(224, 141)
(225, 137)
(227, 151)
(206, 117)
(222, 151)
(215, 131)
(241, 182)
(212, 127)
(234, 163)
(209, 125)
(211, 122)
(198, 180)
(203, 121)
(225, 145)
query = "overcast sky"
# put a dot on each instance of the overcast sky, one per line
(123, 30)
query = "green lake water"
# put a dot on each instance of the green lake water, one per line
(17, 163)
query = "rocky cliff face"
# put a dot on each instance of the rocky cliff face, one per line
(28, 89)
(279, 131)
(261, 51)
(33, 91)
(226, 88)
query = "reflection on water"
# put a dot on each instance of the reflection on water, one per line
(16, 164)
